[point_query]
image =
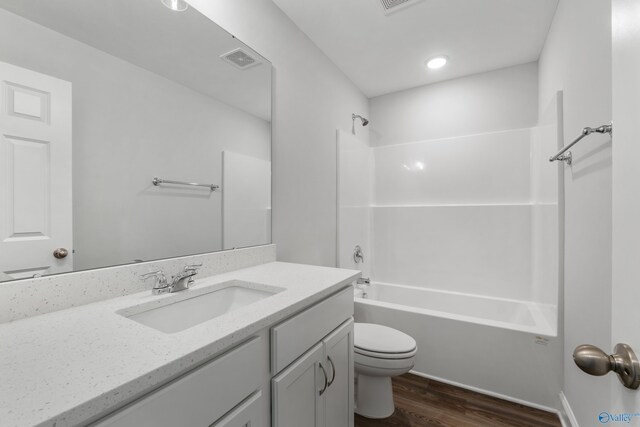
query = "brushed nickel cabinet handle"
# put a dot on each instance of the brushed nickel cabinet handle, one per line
(333, 368)
(326, 384)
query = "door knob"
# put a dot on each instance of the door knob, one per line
(60, 253)
(623, 362)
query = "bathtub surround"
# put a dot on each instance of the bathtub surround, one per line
(458, 248)
(457, 214)
(447, 215)
(31, 297)
(471, 204)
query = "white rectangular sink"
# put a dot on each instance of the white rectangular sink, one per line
(195, 306)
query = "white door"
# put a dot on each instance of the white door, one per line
(625, 322)
(296, 392)
(338, 399)
(35, 173)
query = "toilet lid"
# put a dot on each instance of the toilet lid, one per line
(374, 338)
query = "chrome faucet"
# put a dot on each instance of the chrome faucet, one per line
(179, 282)
(363, 283)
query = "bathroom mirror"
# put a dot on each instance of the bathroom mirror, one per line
(102, 99)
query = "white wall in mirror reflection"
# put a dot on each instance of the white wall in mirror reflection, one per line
(130, 125)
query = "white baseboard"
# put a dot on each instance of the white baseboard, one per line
(491, 393)
(567, 417)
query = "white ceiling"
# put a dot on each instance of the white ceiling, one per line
(184, 47)
(386, 53)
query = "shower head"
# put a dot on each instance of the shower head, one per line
(353, 121)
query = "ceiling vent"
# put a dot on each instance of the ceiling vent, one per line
(391, 6)
(240, 59)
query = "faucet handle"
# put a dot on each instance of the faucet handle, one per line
(161, 279)
(159, 274)
(192, 267)
(191, 270)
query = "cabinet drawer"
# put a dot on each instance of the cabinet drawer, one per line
(247, 414)
(291, 338)
(201, 396)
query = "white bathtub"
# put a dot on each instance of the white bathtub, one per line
(499, 312)
(492, 345)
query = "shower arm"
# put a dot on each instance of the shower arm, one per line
(355, 116)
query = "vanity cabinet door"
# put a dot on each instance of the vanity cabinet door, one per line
(338, 399)
(296, 391)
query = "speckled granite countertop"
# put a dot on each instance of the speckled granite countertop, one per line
(63, 368)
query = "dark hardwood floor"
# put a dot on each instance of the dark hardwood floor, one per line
(423, 402)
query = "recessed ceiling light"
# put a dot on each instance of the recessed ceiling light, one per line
(437, 62)
(176, 5)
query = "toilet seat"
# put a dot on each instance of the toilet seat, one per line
(382, 342)
(390, 356)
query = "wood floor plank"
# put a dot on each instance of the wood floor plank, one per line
(421, 402)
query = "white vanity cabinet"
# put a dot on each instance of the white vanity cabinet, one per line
(222, 392)
(306, 381)
(316, 389)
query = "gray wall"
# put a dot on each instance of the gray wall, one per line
(487, 102)
(130, 125)
(312, 98)
(577, 59)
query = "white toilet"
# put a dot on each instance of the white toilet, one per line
(380, 353)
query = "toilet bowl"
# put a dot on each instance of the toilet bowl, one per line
(380, 353)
